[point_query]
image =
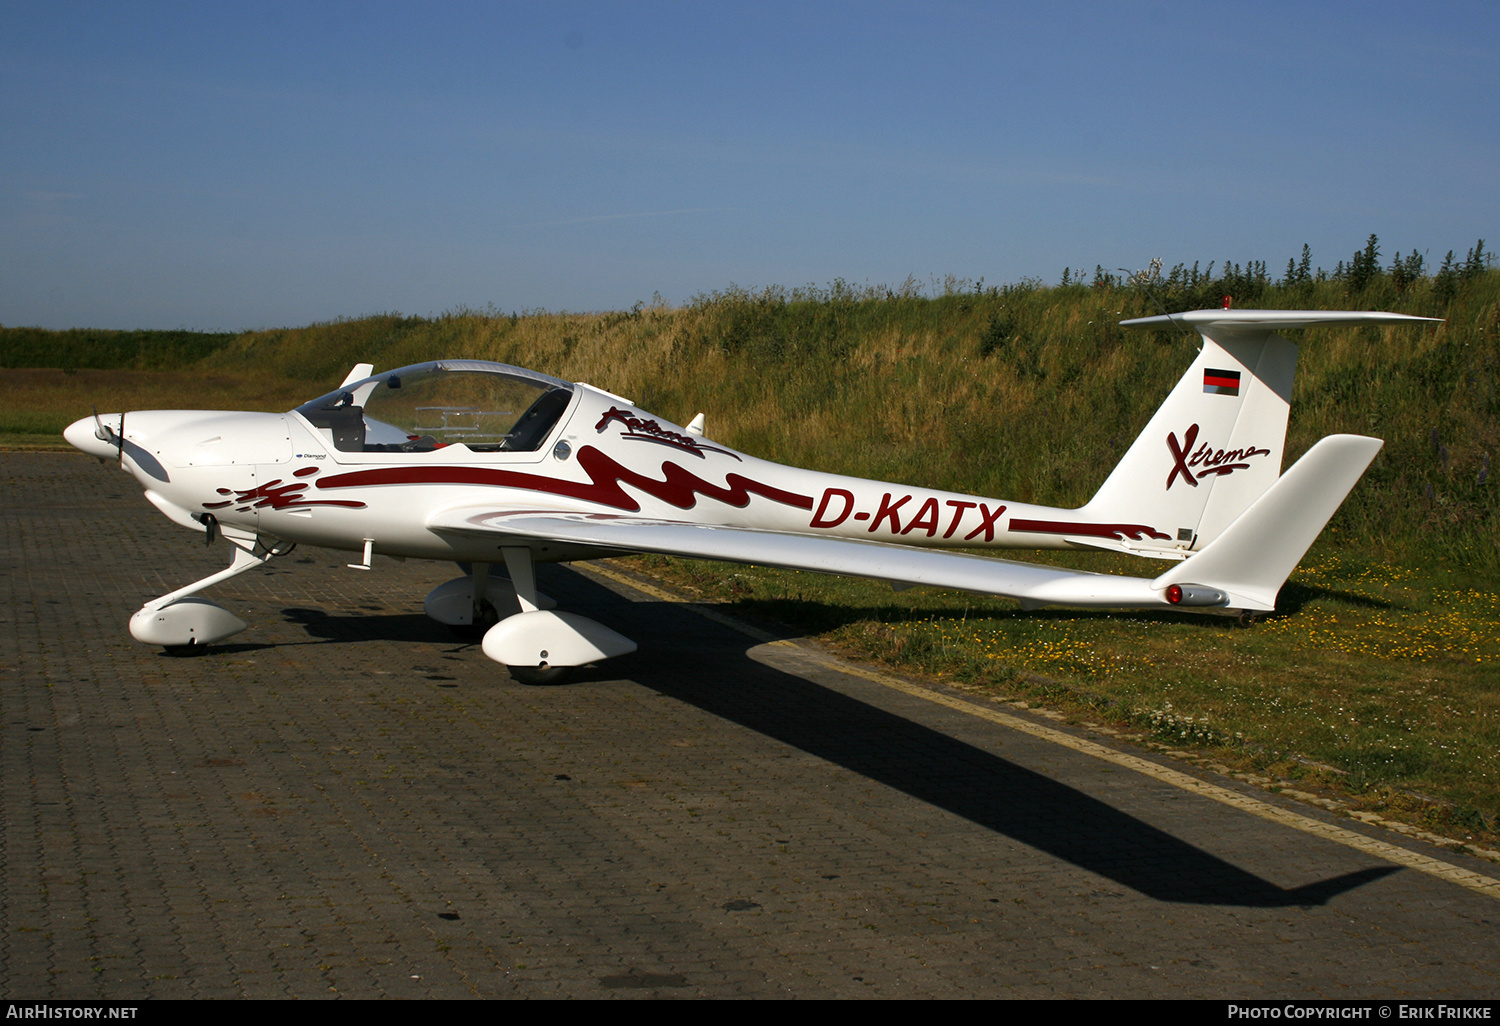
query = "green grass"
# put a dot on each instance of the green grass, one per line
(36, 404)
(1378, 666)
(1027, 392)
(83, 347)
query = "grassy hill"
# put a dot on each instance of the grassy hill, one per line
(1021, 391)
(1375, 679)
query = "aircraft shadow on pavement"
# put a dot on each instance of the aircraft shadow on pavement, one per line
(706, 665)
(930, 766)
(352, 627)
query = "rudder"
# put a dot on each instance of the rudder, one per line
(1212, 448)
(1218, 442)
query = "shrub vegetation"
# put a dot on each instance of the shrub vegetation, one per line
(1030, 392)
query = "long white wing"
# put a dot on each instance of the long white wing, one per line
(1242, 569)
(881, 561)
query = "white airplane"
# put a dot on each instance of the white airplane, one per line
(484, 464)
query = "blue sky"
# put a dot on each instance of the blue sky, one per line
(227, 166)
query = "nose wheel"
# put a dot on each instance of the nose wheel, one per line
(184, 623)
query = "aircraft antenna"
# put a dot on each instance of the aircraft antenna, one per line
(1143, 279)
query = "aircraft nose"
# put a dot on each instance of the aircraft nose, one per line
(83, 434)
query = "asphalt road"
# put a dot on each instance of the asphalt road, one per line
(345, 800)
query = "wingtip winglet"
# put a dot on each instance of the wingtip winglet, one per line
(1255, 555)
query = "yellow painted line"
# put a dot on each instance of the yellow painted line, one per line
(1380, 849)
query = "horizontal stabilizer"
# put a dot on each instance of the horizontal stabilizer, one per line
(1266, 321)
(1217, 442)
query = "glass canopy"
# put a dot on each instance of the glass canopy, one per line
(489, 407)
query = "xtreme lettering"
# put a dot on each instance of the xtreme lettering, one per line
(837, 506)
(1205, 458)
(1209, 457)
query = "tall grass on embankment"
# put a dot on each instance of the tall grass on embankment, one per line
(1021, 391)
(1379, 669)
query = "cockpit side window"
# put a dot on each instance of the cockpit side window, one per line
(533, 427)
(423, 408)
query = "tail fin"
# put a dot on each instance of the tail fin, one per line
(1252, 558)
(1216, 444)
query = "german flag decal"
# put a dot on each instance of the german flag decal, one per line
(1221, 382)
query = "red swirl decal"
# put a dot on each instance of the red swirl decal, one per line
(678, 486)
(275, 495)
(1135, 532)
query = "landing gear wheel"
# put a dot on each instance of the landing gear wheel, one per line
(1247, 618)
(487, 618)
(540, 675)
(184, 651)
